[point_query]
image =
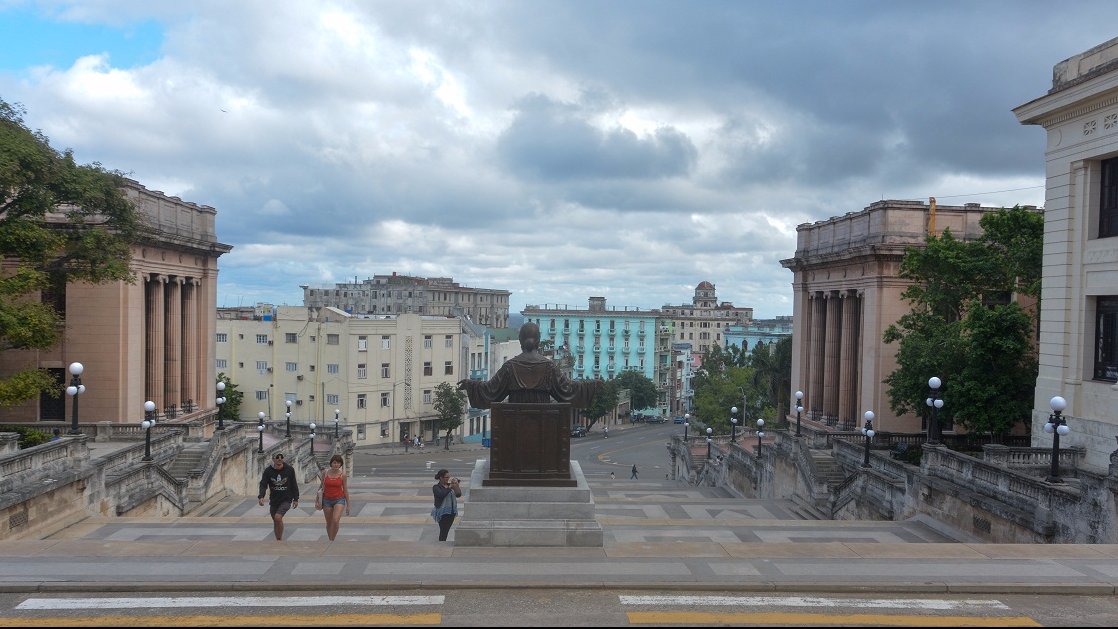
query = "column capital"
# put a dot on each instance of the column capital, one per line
(162, 279)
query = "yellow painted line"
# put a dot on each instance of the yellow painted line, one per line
(849, 620)
(268, 620)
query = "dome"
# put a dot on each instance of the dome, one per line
(704, 285)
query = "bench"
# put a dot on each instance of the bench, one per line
(899, 450)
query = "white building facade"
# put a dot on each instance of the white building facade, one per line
(1079, 295)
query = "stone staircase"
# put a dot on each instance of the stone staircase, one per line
(192, 457)
(828, 470)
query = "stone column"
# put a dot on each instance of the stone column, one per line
(173, 358)
(814, 393)
(155, 340)
(190, 341)
(831, 358)
(848, 414)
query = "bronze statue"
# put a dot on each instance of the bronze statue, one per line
(530, 377)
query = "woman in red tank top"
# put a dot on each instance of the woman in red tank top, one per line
(334, 495)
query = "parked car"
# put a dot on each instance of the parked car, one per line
(678, 419)
(657, 419)
(578, 431)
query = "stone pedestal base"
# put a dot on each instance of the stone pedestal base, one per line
(528, 516)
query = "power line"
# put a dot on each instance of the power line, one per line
(976, 194)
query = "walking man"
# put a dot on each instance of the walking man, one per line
(634, 474)
(279, 480)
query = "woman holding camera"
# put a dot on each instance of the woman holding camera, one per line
(446, 492)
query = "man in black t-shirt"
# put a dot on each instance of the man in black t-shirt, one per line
(279, 481)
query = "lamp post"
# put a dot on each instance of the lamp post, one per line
(760, 434)
(220, 401)
(75, 389)
(867, 430)
(686, 425)
(709, 430)
(260, 429)
(799, 409)
(338, 412)
(935, 403)
(1056, 427)
(149, 421)
(734, 424)
(312, 440)
(288, 433)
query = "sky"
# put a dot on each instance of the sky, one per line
(554, 149)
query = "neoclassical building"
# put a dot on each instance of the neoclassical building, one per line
(847, 290)
(703, 322)
(1079, 293)
(151, 339)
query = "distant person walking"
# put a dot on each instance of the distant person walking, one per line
(446, 492)
(334, 496)
(634, 474)
(279, 481)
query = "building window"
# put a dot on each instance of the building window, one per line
(290, 337)
(222, 363)
(361, 403)
(331, 368)
(331, 339)
(448, 368)
(1106, 339)
(332, 399)
(362, 343)
(427, 368)
(427, 396)
(385, 400)
(262, 366)
(361, 371)
(384, 372)
(426, 341)
(386, 342)
(222, 337)
(292, 367)
(262, 395)
(262, 339)
(449, 341)
(1108, 199)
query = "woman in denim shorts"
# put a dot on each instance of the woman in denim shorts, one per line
(335, 496)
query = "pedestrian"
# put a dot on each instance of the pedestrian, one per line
(446, 492)
(279, 481)
(634, 474)
(333, 495)
(611, 476)
(56, 434)
(605, 431)
(407, 442)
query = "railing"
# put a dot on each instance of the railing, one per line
(14, 466)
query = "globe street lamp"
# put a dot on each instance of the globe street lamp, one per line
(935, 403)
(799, 409)
(867, 430)
(733, 424)
(149, 421)
(75, 389)
(686, 425)
(760, 434)
(220, 401)
(338, 412)
(312, 440)
(288, 433)
(709, 430)
(1056, 427)
(260, 429)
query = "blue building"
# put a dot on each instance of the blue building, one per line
(758, 331)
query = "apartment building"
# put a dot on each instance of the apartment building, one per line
(702, 323)
(378, 371)
(399, 294)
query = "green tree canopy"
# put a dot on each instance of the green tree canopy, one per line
(231, 409)
(642, 390)
(603, 403)
(961, 330)
(450, 405)
(60, 222)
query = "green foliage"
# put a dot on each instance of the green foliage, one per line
(450, 405)
(982, 353)
(756, 382)
(231, 409)
(28, 437)
(642, 390)
(603, 403)
(60, 222)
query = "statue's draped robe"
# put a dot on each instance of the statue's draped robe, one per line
(531, 377)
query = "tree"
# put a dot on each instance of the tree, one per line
(450, 404)
(604, 402)
(960, 330)
(642, 390)
(231, 409)
(60, 222)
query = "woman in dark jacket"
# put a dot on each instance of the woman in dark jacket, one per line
(446, 492)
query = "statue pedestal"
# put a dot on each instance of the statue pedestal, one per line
(531, 446)
(498, 515)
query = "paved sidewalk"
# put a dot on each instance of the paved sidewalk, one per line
(659, 535)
